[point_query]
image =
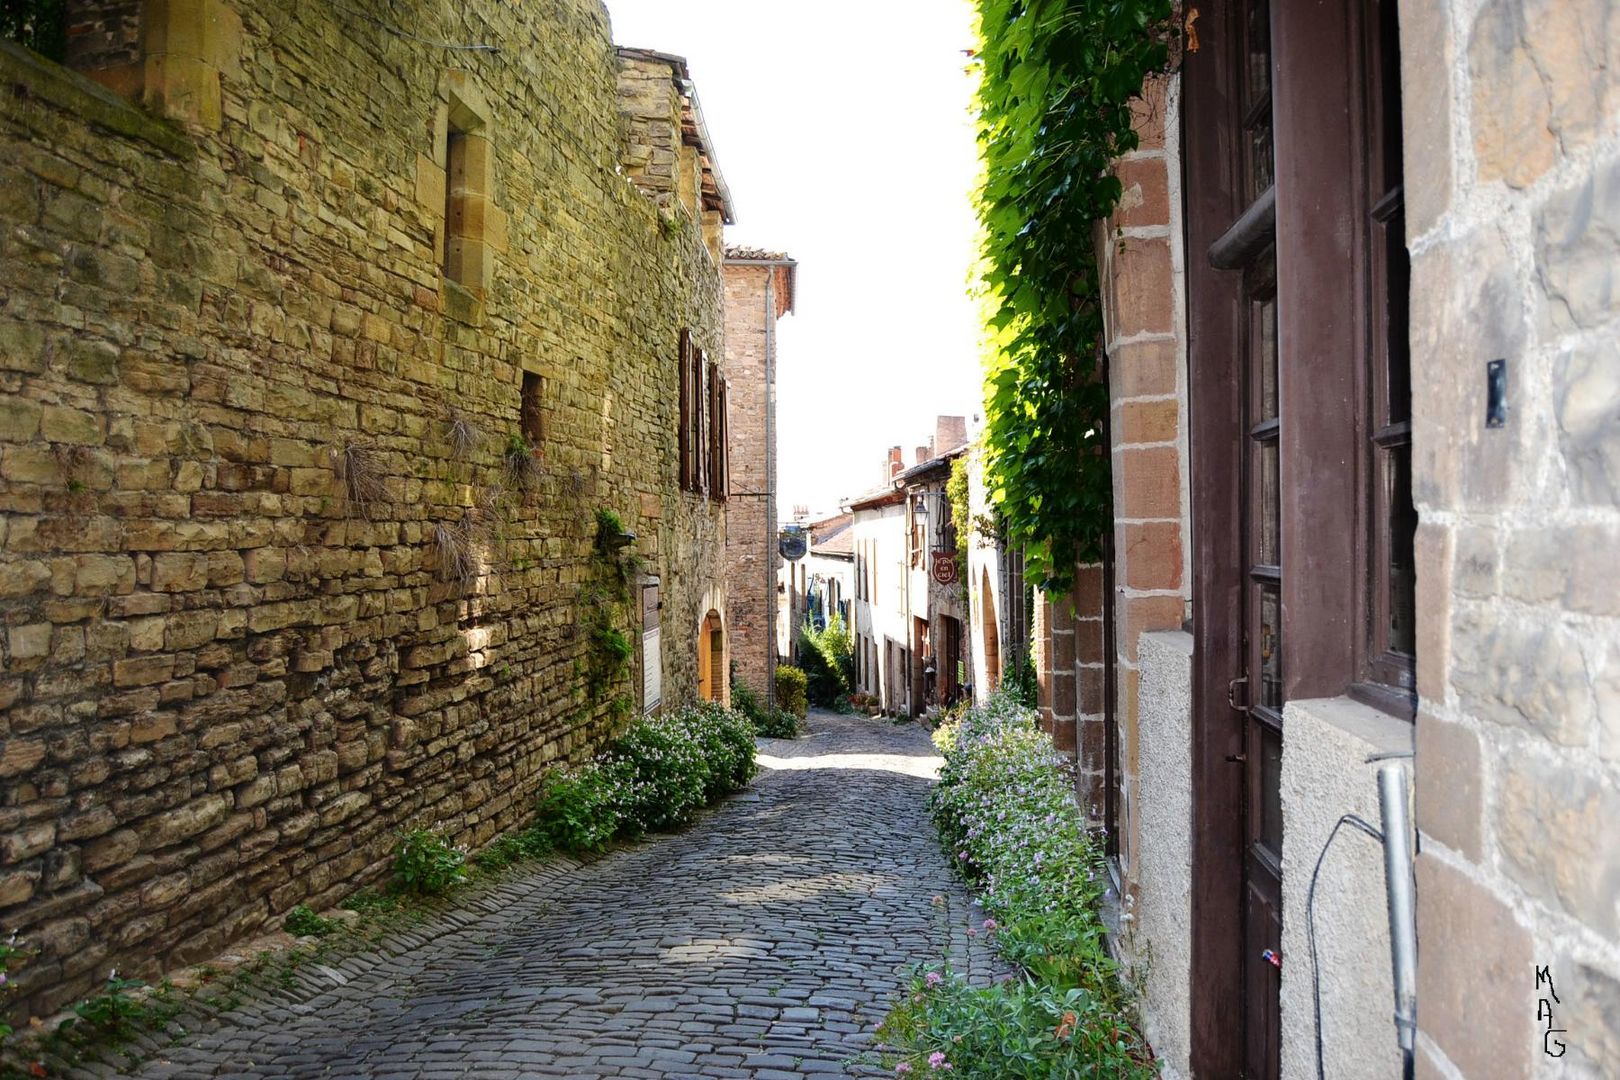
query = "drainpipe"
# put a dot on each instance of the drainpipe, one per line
(1402, 922)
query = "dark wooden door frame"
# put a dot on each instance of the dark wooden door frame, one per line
(1321, 256)
(1212, 193)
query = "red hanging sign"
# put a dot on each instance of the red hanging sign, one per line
(944, 568)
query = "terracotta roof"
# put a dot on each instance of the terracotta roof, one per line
(787, 271)
(754, 254)
(932, 464)
(883, 496)
(833, 536)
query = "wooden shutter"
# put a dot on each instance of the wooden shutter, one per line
(725, 440)
(700, 427)
(717, 437)
(688, 473)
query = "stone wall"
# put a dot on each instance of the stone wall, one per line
(1513, 210)
(233, 666)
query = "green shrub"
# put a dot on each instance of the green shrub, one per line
(1018, 678)
(768, 721)
(301, 921)
(503, 851)
(578, 810)
(1012, 1030)
(726, 740)
(792, 688)
(426, 864)
(669, 770)
(1007, 819)
(745, 701)
(828, 659)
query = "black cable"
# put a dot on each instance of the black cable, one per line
(1310, 924)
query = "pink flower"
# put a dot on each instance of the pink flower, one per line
(936, 1060)
(989, 924)
(933, 978)
(903, 1068)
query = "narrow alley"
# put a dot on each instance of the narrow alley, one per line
(764, 942)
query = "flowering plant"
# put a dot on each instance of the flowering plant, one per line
(1007, 821)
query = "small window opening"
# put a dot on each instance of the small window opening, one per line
(531, 418)
(455, 205)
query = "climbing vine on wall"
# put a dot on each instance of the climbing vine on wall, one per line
(1057, 80)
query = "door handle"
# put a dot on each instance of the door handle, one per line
(1232, 693)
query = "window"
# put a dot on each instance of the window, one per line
(472, 224)
(692, 452)
(531, 415)
(1391, 642)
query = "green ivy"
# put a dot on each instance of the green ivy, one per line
(1057, 81)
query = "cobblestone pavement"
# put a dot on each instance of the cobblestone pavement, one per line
(763, 942)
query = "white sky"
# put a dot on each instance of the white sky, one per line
(843, 129)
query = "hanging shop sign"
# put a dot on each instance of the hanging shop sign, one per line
(793, 543)
(944, 567)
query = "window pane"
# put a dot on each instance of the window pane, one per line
(1270, 507)
(1271, 819)
(1257, 90)
(1271, 687)
(1265, 345)
(1402, 527)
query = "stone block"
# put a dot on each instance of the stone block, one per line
(1145, 192)
(19, 418)
(1587, 388)
(1432, 556)
(1555, 831)
(1512, 115)
(173, 826)
(1427, 132)
(1449, 783)
(1485, 1034)
(90, 361)
(31, 642)
(60, 424)
(1147, 483)
(1524, 675)
(1467, 309)
(1150, 555)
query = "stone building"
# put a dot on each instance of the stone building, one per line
(759, 288)
(322, 346)
(1360, 338)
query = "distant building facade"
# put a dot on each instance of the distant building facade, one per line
(759, 290)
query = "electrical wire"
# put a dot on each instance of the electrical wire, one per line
(1310, 924)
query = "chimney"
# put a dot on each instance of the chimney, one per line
(923, 454)
(949, 433)
(897, 463)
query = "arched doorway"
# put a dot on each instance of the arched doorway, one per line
(712, 658)
(992, 633)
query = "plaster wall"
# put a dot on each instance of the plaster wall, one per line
(1325, 774)
(880, 536)
(1156, 938)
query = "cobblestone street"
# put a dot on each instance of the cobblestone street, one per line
(763, 942)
